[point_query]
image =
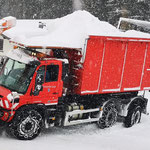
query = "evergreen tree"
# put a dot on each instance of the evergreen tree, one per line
(55, 8)
(97, 8)
(127, 8)
(108, 10)
(30, 9)
(139, 10)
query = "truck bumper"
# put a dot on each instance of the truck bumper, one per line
(4, 115)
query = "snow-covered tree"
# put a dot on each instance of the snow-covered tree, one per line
(108, 10)
(127, 8)
(97, 8)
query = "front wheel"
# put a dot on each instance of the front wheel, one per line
(133, 117)
(26, 125)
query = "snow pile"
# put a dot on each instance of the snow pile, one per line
(69, 31)
(133, 33)
(24, 29)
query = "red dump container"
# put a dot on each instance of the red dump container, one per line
(115, 64)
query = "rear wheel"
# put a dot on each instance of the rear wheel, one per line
(26, 125)
(133, 117)
(108, 117)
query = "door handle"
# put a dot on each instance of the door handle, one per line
(55, 93)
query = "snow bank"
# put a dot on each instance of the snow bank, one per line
(69, 31)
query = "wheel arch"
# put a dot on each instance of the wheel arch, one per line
(138, 101)
(124, 105)
(110, 100)
(38, 107)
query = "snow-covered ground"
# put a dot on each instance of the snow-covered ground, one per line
(86, 136)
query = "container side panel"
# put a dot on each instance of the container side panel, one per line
(112, 66)
(92, 66)
(146, 77)
(134, 66)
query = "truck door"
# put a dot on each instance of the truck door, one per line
(51, 83)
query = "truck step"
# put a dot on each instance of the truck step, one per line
(67, 122)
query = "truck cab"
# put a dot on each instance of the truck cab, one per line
(29, 81)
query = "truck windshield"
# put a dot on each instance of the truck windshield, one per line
(16, 76)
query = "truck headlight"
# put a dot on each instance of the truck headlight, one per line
(16, 100)
(13, 97)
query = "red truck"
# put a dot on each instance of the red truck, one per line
(67, 87)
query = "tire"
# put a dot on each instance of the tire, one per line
(108, 117)
(26, 125)
(133, 117)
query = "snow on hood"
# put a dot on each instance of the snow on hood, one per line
(69, 31)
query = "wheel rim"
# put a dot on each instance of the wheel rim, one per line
(137, 117)
(30, 125)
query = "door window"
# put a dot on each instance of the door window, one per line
(52, 73)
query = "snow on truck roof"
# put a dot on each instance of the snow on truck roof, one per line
(69, 31)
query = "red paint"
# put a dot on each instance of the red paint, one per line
(115, 64)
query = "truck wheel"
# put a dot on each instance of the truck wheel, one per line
(26, 125)
(109, 116)
(133, 117)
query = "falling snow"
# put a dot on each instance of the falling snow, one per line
(86, 136)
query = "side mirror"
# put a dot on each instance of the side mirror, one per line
(39, 81)
(38, 88)
(65, 73)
